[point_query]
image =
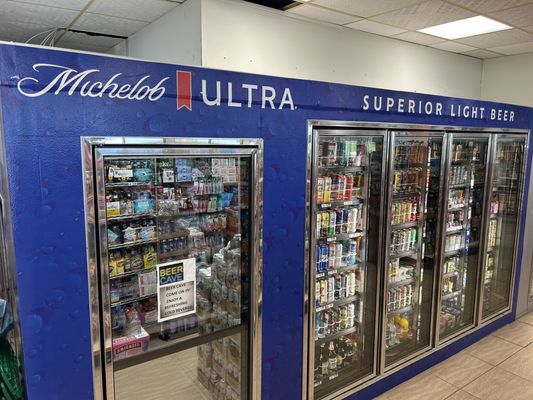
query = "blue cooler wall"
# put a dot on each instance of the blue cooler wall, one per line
(42, 127)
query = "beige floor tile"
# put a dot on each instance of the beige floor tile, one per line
(425, 387)
(461, 395)
(527, 318)
(498, 384)
(460, 369)
(517, 333)
(520, 363)
(492, 350)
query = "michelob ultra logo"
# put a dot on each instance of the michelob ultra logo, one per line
(86, 84)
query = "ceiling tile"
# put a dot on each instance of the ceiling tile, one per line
(517, 17)
(35, 14)
(365, 8)
(453, 46)
(322, 14)
(484, 6)
(480, 53)
(107, 24)
(511, 49)
(419, 38)
(83, 38)
(22, 32)
(423, 15)
(81, 46)
(69, 4)
(375, 27)
(142, 10)
(495, 39)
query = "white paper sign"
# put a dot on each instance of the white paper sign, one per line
(176, 289)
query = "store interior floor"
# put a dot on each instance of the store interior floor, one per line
(499, 367)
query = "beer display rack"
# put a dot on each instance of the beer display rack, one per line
(466, 177)
(132, 300)
(342, 168)
(131, 244)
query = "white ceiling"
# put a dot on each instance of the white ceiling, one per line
(400, 19)
(22, 19)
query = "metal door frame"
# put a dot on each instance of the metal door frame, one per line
(311, 125)
(93, 151)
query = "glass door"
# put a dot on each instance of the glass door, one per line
(413, 215)
(345, 214)
(178, 269)
(503, 223)
(463, 214)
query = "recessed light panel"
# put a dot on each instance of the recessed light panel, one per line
(465, 28)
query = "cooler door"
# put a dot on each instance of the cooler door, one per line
(503, 222)
(410, 254)
(177, 265)
(345, 207)
(463, 214)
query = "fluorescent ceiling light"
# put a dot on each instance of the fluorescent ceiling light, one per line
(465, 28)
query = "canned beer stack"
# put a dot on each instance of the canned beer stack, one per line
(458, 175)
(338, 287)
(336, 255)
(349, 153)
(400, 297)
(330, 223)
(404, 211)
(403, 240)
(339, 187)
(406, 180)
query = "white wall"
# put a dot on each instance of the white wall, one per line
(508, 80)
(175, 38)
(243, 37)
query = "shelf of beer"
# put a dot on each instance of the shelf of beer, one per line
(111, 185)
(336, 303)
(414, 192)
(401, 283)
(458, 185)
(332, 272)
(454, 229)
(130, 217)
(339, 203)
(409, 224)
(456, 207)
(341, 168)
(189, 214)
(173, 235)
(450, 274)
(402, 310)
(453, 252)
(410, 253)
(407, 165)
(129, 273)
(342, 236)
(451, 295)
(130, 244)
(175, 253)
(336, 335)
(132, 300)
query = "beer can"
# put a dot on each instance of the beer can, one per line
(344, 317)
(351, 315)
(331, 289)
(321, 326)
(335, 317)
(352, 158)
(352, 252)
(323, 291)
(338, 286)
(413, 238)
(327, 189)
(318, 223)
(320, 190)
(322, 154)
(338, 255)
(341, 188)
(325, 224)
(317, 258)
(331, 255)
(331, 153)
(351, 283)
(338, 219)
(345, 217)
(341, 153)
(318, 296)
(349, 219)
(355, 221)
(344, 285)
(324, 251)
(348, 193)
(332, 223)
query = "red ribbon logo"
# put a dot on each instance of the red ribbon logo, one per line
(184, 89)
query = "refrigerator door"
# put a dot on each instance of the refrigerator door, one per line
(410, 254)
(346, 204)
(503, 223)
(178, 270)
(463, 212)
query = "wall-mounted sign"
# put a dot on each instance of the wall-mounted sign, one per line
(176, 289)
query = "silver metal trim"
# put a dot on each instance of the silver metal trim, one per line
(94, 150)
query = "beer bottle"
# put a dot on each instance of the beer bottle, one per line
(332, 358)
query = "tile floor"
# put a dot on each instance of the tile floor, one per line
(499, 367)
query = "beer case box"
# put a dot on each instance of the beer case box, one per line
(128, 346)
